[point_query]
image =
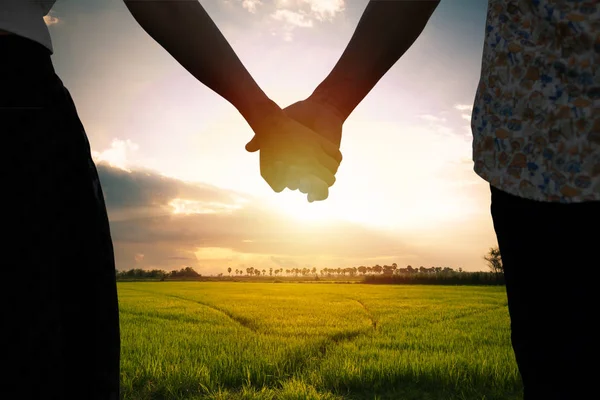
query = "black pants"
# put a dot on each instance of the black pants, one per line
(59, 296)
(551, 265)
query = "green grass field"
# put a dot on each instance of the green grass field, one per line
(226, 340)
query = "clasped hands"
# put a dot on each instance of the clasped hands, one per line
(299, 147)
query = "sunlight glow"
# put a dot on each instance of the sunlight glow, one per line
(434, 204)
(295, 204)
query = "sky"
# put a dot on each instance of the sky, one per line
(182, 191)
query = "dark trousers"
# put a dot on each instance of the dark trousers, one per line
(59, 295)
(551, 267)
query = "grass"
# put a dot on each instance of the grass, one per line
(227, 340)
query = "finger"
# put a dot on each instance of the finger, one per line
(253, 145)
(293, 184)
(321, 172)
(327, 161)
(293, 178)
(332, 150)
(275, 175)
(327, 154)
(319, 191)
(306, 184)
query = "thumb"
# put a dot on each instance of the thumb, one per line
(253, 145)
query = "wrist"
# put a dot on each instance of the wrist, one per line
(328, 103)
(259, 111)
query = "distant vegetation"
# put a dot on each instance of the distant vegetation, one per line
(156, 274)
(376, 274)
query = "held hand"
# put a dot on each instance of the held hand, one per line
(322, 119)
(292, 154)
(318, 116)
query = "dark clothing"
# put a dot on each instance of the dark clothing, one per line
(551, 270)
(59, 292)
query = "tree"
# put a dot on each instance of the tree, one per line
(494, 260)
(229, 270)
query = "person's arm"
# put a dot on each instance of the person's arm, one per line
(384, 33)
(186, 31)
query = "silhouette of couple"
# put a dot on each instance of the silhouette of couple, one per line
(536, 141)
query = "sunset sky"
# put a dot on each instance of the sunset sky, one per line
(182, 191)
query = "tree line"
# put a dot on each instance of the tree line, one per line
(159, 274)
(348, 271)
(388, 274)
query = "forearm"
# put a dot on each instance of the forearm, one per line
(384, 33)
(186, 31)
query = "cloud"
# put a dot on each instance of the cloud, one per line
(437, 125)
(292, 14)
(117, 155)
(441, 125)
(148, 232)
(147, 193)
(325, 9)
(432, 118)
(464, 107)
(292, 18)
(250, 5)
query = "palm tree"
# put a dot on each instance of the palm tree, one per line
(229, 271)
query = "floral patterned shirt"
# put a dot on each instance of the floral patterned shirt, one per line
(536, 115)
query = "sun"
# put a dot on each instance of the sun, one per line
(396, 213)
(337, 208)
(295, 205)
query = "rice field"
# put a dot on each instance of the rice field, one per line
(284, 341)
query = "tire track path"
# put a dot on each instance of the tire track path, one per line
(369, 313)
(238, 319)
